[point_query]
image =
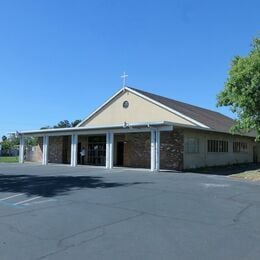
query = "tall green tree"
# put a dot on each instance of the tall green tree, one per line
(64, 124)
(242, 91)
(75, 123)
(9, 142)
(6, 145)
(31, 141)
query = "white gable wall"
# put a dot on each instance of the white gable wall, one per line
(139, 110)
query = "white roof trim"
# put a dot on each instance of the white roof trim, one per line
(148, 99)
(103, 127)
(99, 108)
(167, 108)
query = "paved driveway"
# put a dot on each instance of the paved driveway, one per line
(58, 212)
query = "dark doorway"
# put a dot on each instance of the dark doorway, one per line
(255, 159)
(120, 154)
(65, 153)
(78, 154)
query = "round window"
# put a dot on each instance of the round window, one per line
(125, 104)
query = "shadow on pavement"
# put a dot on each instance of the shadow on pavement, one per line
(51, 186)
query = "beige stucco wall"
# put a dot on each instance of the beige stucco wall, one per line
(203, 158)
(139, 110)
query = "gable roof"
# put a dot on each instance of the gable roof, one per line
(214, 120)
(203, 118)
(134, 91)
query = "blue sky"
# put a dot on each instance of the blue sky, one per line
(62, 59)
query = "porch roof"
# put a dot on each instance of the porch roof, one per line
(104, 128)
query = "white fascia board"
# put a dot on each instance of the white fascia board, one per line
(167, 108)
(71, 130)
(99, 108)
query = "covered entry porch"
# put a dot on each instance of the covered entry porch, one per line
(126, 145)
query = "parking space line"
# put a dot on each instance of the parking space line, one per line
(24, 201)
(38, 202)
(10, 197)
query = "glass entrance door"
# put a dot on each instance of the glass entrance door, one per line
(97, 150)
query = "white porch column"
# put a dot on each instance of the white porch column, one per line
(111, 151)
(74, 149)
(157, 150)
(153, 149)
(107, 150)
(45, 150)
(21, 149)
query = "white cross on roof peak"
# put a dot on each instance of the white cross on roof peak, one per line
(124, 77)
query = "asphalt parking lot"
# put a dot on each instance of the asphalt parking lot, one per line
(60, 212)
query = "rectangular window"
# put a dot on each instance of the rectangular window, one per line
(192, 145)
(240, 147)
(217, 146)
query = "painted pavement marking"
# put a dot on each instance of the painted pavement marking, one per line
(38, 202)
(215, 185)
(13, 196)
(10, 201)
(24, 201)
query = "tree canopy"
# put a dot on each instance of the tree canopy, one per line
(242, 91)
(12, 140)
(9, 142)
(64, 124)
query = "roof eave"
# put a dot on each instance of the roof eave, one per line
(104, 127)
(100, 107)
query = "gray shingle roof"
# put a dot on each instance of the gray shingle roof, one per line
(214, 120)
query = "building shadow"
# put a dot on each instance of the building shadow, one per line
(51, 186)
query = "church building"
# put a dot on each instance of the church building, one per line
(138, 129)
